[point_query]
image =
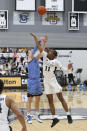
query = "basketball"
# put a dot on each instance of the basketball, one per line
(41, 10)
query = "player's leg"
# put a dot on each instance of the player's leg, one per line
(10, 128)
(58, 90)
(73, 80)
(31, 91)
(29, 117)
(62, 100)
(52, 109)
(51, 104)
(29, 104)
(49, 91)
(49, 94)
(69, 77)
(64, 104)
(37, 101)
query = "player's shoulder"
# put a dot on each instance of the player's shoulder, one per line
(54, 60)
(44, 52)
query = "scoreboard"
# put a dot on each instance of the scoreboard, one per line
(54, 5)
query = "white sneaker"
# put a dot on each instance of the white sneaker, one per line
(38, 118)
(29, 119)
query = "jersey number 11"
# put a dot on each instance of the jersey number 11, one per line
(47, 68)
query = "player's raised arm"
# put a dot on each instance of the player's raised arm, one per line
(37, 42)
(12, 105)
(40, 44)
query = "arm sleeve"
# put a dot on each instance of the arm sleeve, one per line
(36, 51)
(35, 48)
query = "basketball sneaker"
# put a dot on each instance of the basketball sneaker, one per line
(55, 121)
(69, 119)
(38, 118)
(29, 119)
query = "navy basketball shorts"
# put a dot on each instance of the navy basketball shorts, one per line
(34, 87)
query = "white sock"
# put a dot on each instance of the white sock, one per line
(53, 116)
(68, 113)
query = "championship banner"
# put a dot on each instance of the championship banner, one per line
(73, 21)
(3, 19)
(11, 81)
(52, 18)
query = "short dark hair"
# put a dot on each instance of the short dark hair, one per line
(55, 53)
(1, 86)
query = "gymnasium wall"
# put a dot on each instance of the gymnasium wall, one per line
(59, 35)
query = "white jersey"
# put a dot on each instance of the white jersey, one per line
(49, 66)
(3, 111)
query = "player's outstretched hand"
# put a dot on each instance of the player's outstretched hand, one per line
(46, 37)
(32, 34)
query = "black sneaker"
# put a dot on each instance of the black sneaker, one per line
(69, 119)
(55, 121)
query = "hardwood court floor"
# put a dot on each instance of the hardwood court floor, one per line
(45, 126)
(75, 100)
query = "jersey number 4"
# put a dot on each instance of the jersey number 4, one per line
(0, 108)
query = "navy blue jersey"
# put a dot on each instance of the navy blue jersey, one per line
(33, 69)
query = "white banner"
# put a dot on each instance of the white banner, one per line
(53, 18)
(25, 4)
(54, 5)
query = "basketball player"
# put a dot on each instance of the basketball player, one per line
(70, 74)
(7, 103)
(51, 85)
(33, 84)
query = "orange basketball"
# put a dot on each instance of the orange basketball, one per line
(41, 10)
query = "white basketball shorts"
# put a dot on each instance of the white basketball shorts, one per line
(51, 86)
(4, 128)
